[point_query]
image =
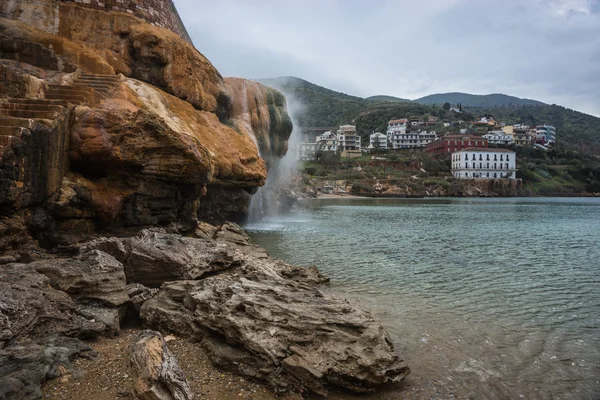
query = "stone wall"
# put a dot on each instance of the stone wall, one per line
(161, 13)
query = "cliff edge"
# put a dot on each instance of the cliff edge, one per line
(110, 120)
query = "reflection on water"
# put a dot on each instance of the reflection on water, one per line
(495, 298)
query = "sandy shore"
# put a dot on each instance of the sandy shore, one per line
(107, 378)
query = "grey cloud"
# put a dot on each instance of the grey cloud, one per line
(547, 50)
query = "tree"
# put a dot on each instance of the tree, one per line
(447, 106)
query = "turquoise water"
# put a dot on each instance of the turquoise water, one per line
(492, 298)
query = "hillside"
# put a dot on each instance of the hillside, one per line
(322, 107)
(475, 100)
(386, 98)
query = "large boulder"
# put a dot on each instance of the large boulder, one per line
(155, 256)
(80, 297)
(267, 320)
(24, 366)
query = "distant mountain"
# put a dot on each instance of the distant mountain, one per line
(476, 100)
(322, 107)
(386, 98)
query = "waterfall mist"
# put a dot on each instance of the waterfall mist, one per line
(275, 197)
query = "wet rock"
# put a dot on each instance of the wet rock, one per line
(29, 305)
(154, 256)
(94, 276)
(258, 323)
(155, 371)
(25, 366)
(138, 294)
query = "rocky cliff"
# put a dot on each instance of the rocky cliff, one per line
(108, 121)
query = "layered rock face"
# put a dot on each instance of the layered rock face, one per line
(168, 141)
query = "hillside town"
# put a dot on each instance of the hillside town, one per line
(469, 151)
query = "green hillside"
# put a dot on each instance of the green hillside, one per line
(475, 100)
(323, 107)
(386, 98)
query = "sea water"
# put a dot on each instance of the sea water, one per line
(484, 298)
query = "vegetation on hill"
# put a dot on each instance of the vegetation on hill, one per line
(475, 100)
(323, 107)
(386, 98)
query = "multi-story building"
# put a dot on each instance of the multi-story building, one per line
(412, 140)
(306, 151)
(397, 126)
(378, 141)
(444, 146)
(523, 135)
(328, 141)
(432, 120)
(499, 137)
(484, 163)
(349, 141)
(545, 134)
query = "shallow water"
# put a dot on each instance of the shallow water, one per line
(493, 298)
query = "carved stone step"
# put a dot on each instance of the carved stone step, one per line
(29, 114)
(40, 101)
(28, 123)
(31, 107)
(16, 131)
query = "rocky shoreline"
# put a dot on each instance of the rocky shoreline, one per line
(258, 317)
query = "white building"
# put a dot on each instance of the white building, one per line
(499, 137)
(306, 151)
(378, 141)
(396, 126)
(349, 141)
(412, 140)
(328, 141)
(484, 163)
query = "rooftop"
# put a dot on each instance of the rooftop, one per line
(486, 149)
(398, 121)
(463, 137)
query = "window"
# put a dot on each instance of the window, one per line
(507, 158)
(495, 175)
(466, 165)
(488, 157)
(495, 157)
(487, 165)
(473, 165)
(488, 174)
(480, 157)
(501, 157)
(480, 165)
(506, 165)
(495, 166)
(466, 157)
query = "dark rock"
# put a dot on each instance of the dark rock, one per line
(155, 371)
(154, 256)
(25, 366)
(94, 276)
(138, 294)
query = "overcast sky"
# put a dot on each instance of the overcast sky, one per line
(547, 50)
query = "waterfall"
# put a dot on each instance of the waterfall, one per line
(272, 199)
